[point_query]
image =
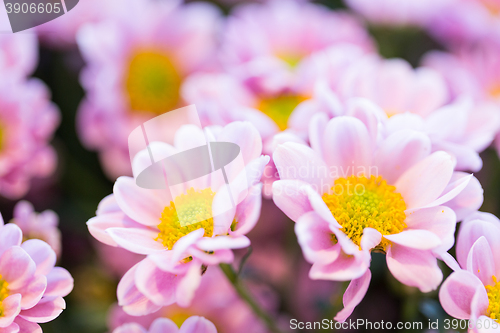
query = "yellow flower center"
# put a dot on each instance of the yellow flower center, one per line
(152, 82)
(4, 293)
(187, 213)
(494, 299)
(495, 91)
(359, 202)
(279, 108)
(291, 59)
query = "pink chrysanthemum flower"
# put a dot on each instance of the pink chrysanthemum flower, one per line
(193, 324)
(398, 13)
(147, 222)
(467, 22)
(27, 119)
(215, 300)
(472, 291)
(351, 194)
(138, 75)
(38, 225)
(31, 288)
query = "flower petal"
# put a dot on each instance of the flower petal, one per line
(197, 324)
(162, 325)
(320, 206)
(440, 220)
(42, 254)
(248, 211)
(291, 198)
(59, 282)
(480, 261)
(32, 292)
(415, 239)
(414, 268)
(425, 181)
(155, 284)
(44, 312)
(97, 226)
(27, 326)
(10, 235)
(11, 308)
(141, 241)
(354, 295)
(17, 267)
(315, 238)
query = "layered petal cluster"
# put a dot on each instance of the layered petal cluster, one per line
(137, 59)
(193, 324)
(27, 118)
(354, 192)
(149, 222)
(38, 225)
(472, 290)
(215, 300)
(31, 288)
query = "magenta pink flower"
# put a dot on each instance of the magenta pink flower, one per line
(215, 300)
(193, 324)
(138, 75)
(354, 192)
(472, 292)
(38, 225)
(31, 288)
(27, 119)
(144, 221)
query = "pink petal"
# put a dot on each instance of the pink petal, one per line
(133, 301)
(184, 243)
(291, 198)
(415, 268)
(14, 328)
(370, 238)
(141, 241)
(11, 308)
(347, 143)
(188, 137)
(452, 191)
(353, 295)
(44, 312)
(157, 285)
(440, 220)
(10, 235)
(246, 136)
(98, 225)
(368, 112)
(415, 239)
(17, 267)
(457, 292)
(222, 242)
(42, 254)
(315, 238)
(59, 282)
(316, 130)
(163, 325)
(425, 181)
(215, 258)
(27, 326)
(248, 211)
(469, 200)
(320, 207)
(188, 285)
(480, 261)
(197, 324)
(132, 328)
(344, 268)
(297, 161)
(32, 292)
(399, 151)
(108, 205)
(142, 205)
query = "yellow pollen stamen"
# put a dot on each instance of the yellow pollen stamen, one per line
(152, 82)
(4, 293)
(359, 202)
(279, 108)
(493, 291)
(187, 213)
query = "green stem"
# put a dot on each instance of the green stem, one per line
(245, 295)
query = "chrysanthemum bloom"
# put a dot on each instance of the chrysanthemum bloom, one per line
(398, 13)
(31, 288)
(351, 195)
(27, 122)
(467, 22)
(419, 99)
(215, 300)
(18, 55)
(193, 324)
(38, 225)
(149, 221)
(473, 290)
(139, 74)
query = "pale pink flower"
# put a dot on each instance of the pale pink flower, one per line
(215, 300)
(269, 44)
(193, 324)
(18, 55)
(38, 225)
(466, 22)
(472, 291)
(27, 122)
(137, 59)
(143, 221)
(31, 288)
(398, 13)
(353, 193)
